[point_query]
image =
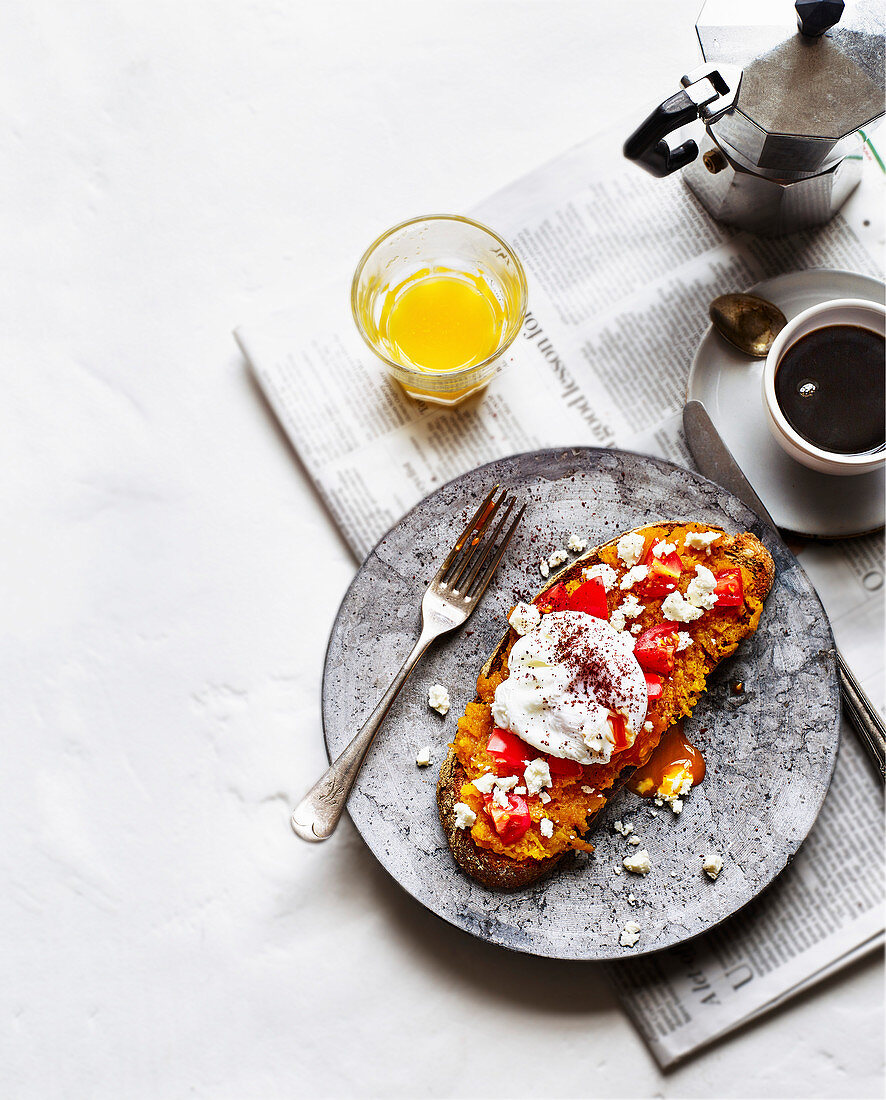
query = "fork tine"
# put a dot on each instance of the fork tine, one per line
(488, 548)
(472, 546)
(493, 565)
(460, 541)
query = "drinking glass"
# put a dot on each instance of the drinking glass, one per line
(427, 250)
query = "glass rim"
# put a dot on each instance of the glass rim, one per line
(462, 371)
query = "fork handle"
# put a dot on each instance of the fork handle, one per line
(317, 815)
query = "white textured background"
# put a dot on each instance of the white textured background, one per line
(171, 169)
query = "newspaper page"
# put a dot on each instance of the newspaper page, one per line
(621, 269)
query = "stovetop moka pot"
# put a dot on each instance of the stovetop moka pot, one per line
(785, 94)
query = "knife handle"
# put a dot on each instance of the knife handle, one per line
(863, 716)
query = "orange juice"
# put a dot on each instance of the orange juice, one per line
(441, 321)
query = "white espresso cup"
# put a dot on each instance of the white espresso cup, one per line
(855, 312)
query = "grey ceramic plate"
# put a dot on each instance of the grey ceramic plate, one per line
(770, 751)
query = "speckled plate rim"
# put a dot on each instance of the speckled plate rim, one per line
(754, 524)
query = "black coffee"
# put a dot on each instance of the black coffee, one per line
(831, 387)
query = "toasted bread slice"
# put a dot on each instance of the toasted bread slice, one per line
(715, 636)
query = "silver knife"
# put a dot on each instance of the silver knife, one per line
(715, 461)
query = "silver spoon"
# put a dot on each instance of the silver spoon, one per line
(747, 322)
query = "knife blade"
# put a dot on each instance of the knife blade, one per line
(715, 461)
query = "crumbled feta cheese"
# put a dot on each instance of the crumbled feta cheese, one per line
(632, 899)
(585, 789)
(630, 548)
(485, 783)
(633, 576)
(519, 790)
(557, 558)
(647, 726)
(701, 540)
(617, 870)
(605, 572)
(713, 864)
(545, 568)
(424, 757)
(629, 608)
(438, 699)
(662, 548)
(639, 862)
(537, 775)
(500, 798)
(629, 934)
(575, 544)
(635, 840)
(524, 618)
(546, 827)
(700, 592)
(675, 608)
(675, 800)
(464, 816)
(636, 628)
(620, 827)
(684, 640)
(544, 796)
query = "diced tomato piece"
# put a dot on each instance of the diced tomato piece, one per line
(655, 648)
(730, 588)
(653, 685)
(555, 599)
(619, 731)
(510, 751)
(664, 573)
(566, 769)
(590, 597)
(510, 822)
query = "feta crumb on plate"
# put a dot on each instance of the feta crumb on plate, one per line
(638, 862)
(621, 828)
(438, 699)
(545, 568)
(575, 544)
(464, 815)
(629, 934)
(423, 758)
(634, 840)
(713, 864)
(557, 558)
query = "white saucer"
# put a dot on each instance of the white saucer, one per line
(729, 385)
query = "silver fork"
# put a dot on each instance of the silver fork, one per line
(448, 601)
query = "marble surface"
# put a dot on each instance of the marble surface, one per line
(770, 750)
(169, 578)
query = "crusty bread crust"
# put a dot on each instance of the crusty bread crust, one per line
(499, 872)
